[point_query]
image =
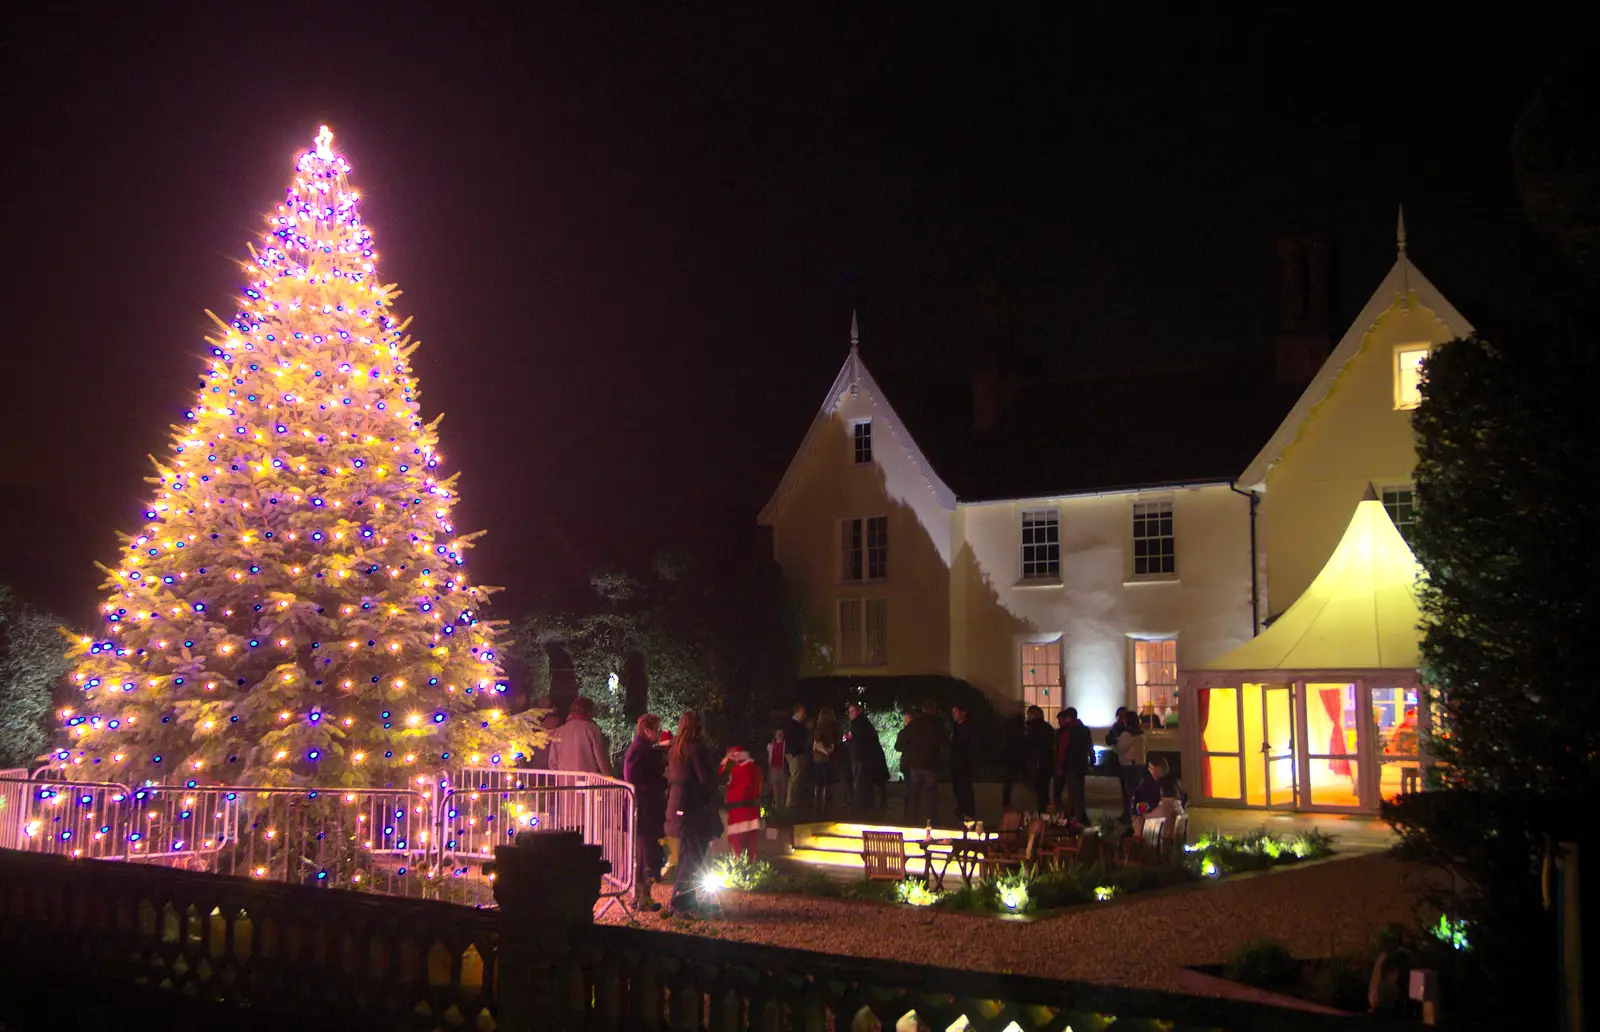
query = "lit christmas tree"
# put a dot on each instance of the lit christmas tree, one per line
(294, 609)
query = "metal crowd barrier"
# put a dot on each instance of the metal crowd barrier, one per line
(480, 808)
(430, 838)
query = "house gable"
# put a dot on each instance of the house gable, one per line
(1404, 290)
(855, 395)
(1348, 431)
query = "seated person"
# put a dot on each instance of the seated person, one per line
(1168, 806)
(1147, 796)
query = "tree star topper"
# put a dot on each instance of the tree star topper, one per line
(324, 142)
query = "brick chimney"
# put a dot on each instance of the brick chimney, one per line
(998, 361)
(1305, 307)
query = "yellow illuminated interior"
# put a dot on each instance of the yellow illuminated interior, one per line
(1408, 375)
(1219, 739)
(1395, 716)
(1332, 737)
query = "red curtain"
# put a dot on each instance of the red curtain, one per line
(1204, 698)
(1333, 705)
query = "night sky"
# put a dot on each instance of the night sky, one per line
(631, 242)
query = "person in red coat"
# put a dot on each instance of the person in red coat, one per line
(743, 800)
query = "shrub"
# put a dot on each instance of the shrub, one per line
(747, 875)
(978, 898)
(1263, 963)
(887, 723)
(1012, 892)
(1342, 983)
(1215, 854)
(915, 891)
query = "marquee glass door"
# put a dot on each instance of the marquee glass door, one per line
(1268, 743)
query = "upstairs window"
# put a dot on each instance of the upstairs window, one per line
(1408, 375)
(1401, 505)
(864, 548)
(1155, 548)
(862, 434)
(1041, 545)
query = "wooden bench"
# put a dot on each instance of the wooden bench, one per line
(883, 854)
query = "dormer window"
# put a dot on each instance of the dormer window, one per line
(862, 433)
(1408, 374)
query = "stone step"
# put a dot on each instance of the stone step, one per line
(847, 835)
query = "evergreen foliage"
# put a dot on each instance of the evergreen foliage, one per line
(1507, 495)
(292, 607)
(718, 637)
(32, 665)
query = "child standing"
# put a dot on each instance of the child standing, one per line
(778, 769)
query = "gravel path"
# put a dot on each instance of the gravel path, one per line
(1317, 911)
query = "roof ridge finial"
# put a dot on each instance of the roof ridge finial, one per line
(855, 332)
(1400, 232)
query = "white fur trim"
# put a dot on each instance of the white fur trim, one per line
(743, 826)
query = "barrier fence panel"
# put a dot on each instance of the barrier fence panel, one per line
(430, 839)
(13, 796)
(482, 808)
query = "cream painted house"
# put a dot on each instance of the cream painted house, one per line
(1056, 542)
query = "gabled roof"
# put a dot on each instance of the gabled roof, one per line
(854, 378)
(1360, 613)
(1405, 285)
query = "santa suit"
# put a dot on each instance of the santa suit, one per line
(744, 802)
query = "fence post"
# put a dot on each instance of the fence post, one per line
(546, 885)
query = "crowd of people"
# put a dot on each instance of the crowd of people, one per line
(820, 764)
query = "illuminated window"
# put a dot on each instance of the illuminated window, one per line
(1042, 685)
(1155, 548)
(1041, 545)
(1155, 675)
(864, 548)
(862, 433)
(1408, 375)
(1401, 505)
(863, 638)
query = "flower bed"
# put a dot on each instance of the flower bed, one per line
(1214, 855)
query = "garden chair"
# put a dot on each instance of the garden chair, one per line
(883, 853)
(1180, 837)
(1009, 834)
(1000, 859)
(1080, 850)
(1146, 846)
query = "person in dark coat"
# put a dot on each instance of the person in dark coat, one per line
(797, 753)
(963, 763)
(691, 811)
(1074, 757)
(645, 768)
(1039, 756)
(919, 744)
(869, 768)
(1015, 734)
